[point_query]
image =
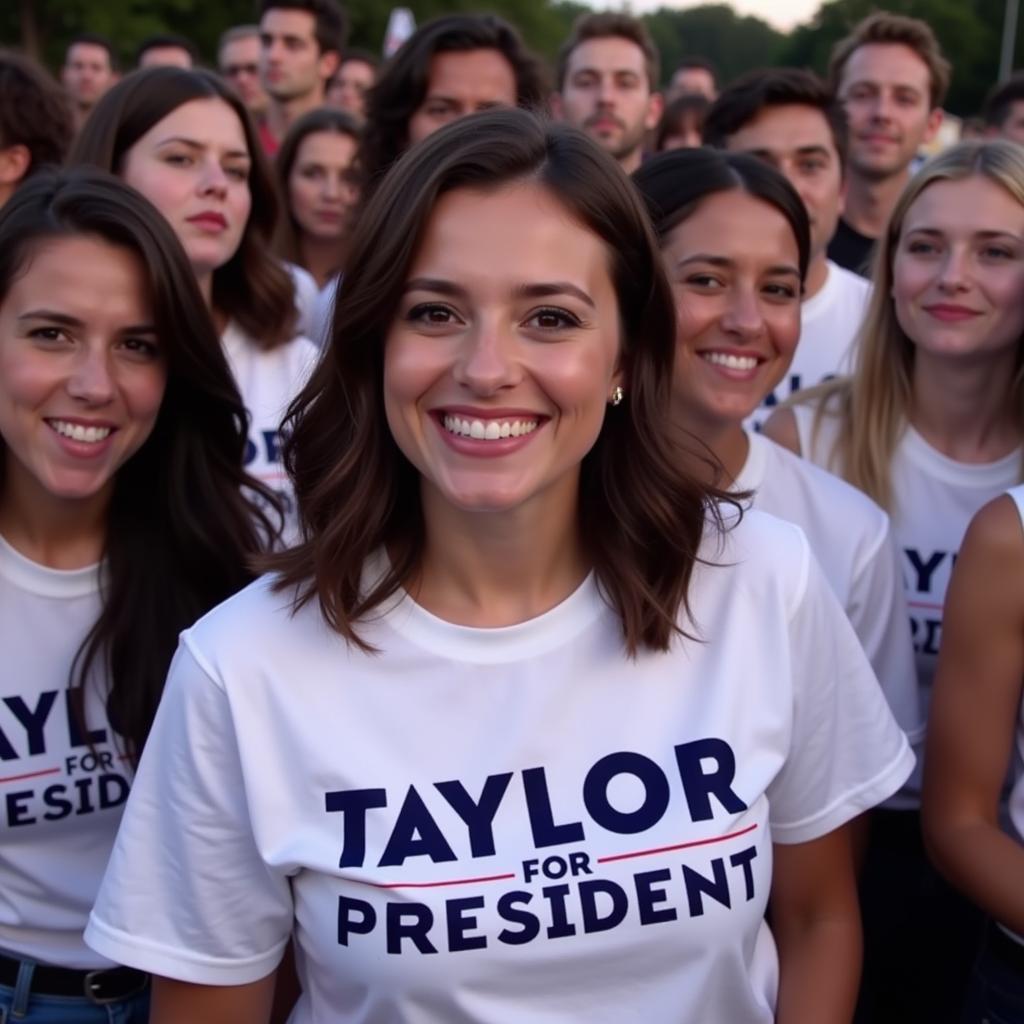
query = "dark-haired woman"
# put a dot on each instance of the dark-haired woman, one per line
(682, 123)
(531, 722)
(452, 66)
(121, 520)
(185, 141)
(317, 177)
(735, 242)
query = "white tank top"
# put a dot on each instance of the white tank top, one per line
(935, 498)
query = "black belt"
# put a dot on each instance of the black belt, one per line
(1007, 951)
(101, 986)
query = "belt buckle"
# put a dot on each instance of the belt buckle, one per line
(93, 986)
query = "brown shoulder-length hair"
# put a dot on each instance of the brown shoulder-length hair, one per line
(323, 119)
(252, 287)
(641, 518)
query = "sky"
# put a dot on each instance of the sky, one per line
(783, 14)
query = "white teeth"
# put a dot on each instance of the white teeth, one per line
(729, 361)
(75, 431)
(492, 430)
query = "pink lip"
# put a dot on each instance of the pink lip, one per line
(210, 221)
(479, 448)
(951, 313)
(84, 449)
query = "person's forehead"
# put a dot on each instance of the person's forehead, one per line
(91, 52)
(356, 67)
(476, 73)
(287, 22)
(241, 45)
(886, 64)
(692, 74)
(608, 53)
(784, 129)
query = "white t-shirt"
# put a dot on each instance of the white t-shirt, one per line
(307, 297)
(514, 825)
(935, 498)
(323, 313)
(61, 801)
(829, 322)
(850, 537)
(268, 380)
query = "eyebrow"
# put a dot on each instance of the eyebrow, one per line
(194, 144)
(70, 321)
(938, 232)
(539, 290)
(724, 261)
(815, 149)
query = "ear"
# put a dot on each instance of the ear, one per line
(655, 106)
(14, 164)
(934, 124)
(555, 103)
(330, 61)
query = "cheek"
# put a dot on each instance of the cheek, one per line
(784, 328)
(300, 195)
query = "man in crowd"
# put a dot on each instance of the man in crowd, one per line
(1004, 109)
(90, 69)
(694, 76)
(300, 49)
(891, 77)
(35, 121)
(166, 50)
(790, 119)
(607, 81)
(238, 58)
(354, 78)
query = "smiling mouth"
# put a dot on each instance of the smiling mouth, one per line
(78, 432)
(491, 430)
(730, 362)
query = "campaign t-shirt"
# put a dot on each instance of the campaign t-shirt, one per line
(934, 500)
(268, 380)
(850, 249)
(307, 298)
(63, 775)
(851, 539)
(518, 824)
(829, 322)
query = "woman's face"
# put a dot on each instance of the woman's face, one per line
(503, 354)
(734, 268)
(82, 374)
(321, 187)
(958, 269)
(193, 166)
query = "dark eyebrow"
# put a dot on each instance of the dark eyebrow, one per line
(193, 144)
(524, 291)
(938, 233)
(70, 321)
(724, 261)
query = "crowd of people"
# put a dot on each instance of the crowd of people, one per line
(488, 542)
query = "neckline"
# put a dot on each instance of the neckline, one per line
(968, 474)
(44, 581)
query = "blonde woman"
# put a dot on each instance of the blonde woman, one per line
(930, 425)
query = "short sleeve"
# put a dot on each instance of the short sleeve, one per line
(186, 894)
(847, 754)
(878, 612)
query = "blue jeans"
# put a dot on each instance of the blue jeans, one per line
(996, 992)
(19, 1005)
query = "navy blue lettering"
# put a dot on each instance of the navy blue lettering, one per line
(7, 751)
(648, 897)
(355, 917)
(924, 569)
(415, 930)
(113, 791)
(272, 442)
(53, 796)
(251, 451)
(460, 921)
(354, 803)
(698, 785)
(73, 703)
(743, 858)
(698, 886)
(656, 796)
(415, 834)
(593, 921)
(17, 814)
(542, 821)
(33, 720)
(479, 814)
(560, 927)
(509, 911)
(85, 804)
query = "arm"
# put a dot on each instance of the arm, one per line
(781, 428)
(179, 1002)
(974, 713)
(816, 923)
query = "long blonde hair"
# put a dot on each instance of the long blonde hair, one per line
(873, 405)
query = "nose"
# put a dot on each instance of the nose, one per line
(332, 187)
(487, 362)
(953, 276)
(91, 381)
(606, 91)
(742, 317)
(212, 179)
